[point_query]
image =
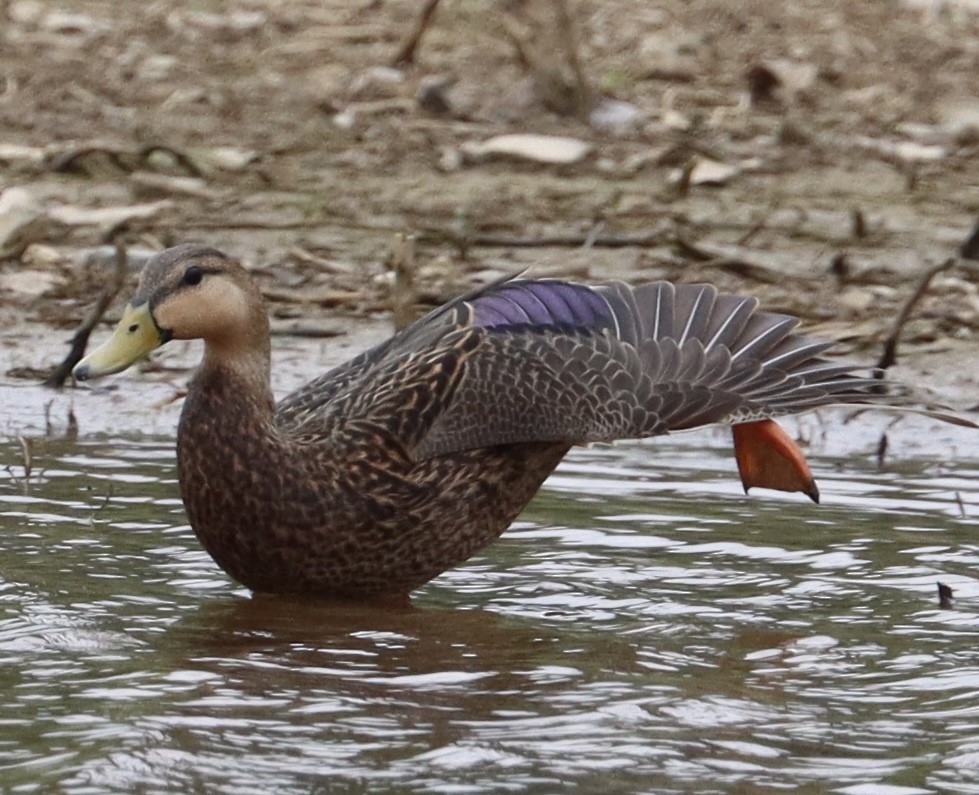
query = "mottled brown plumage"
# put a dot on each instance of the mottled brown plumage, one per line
(376, 477)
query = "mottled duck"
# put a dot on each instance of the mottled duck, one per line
(381, 474)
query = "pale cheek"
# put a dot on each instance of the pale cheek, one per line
(218, 311)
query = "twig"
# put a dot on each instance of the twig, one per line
(554, 64)
(889, 355)
(970, 246)
(403, 265)
(406, 54)
(124, 159)
(27, 454)
(755, 228)
(682, 185)
(569, 39)
(858, 225)
(26, 449)
(594, 234)
(80, 341)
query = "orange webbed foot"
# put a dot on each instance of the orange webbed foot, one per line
(769, 459)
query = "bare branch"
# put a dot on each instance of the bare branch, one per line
(889, 355)
(80, 341)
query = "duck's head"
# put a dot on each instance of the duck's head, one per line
(186, 292)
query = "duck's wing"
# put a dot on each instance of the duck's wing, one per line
(556, 361)
(621, 362)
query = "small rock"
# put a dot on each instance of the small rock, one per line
(433, 94)
(15, 154)
(922, 133)
(223, 158)
(779, 80)
(22, 222)
(517, 99)
(670, 117)
(38, 256)
(961, 121)
(970, 246)
(326, 85)
(346, 119)
(25, 12)
(857, 299)
(28, 283)
(711, 172)
(378, 82)
(614, 116)
(106, 218)
(237, 22)
(911, 152)
(670, 55)
(68, 22)
(450, 159)
(149, 183)
(157, 67)
(550, 149)
(674, 120)
(792, 133)
(905, 151)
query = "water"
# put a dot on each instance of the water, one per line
(643, 628)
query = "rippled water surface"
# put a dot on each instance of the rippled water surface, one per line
(644, 627)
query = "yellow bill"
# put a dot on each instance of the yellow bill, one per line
(136, 335)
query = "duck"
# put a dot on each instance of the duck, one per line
(379, 475)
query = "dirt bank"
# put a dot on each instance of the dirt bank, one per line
(821, 157)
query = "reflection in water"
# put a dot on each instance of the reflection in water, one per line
(642, 628)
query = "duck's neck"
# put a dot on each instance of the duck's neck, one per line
(247, 371)
(230, 396)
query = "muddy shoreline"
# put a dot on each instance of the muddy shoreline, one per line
(280, 133)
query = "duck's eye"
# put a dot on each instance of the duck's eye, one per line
(193, 275)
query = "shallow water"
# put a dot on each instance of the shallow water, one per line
(644, 627)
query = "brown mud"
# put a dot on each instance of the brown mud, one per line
(821, 156)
